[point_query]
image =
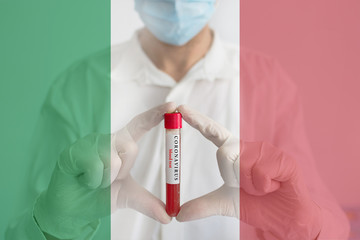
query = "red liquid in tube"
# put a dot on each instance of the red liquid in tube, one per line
(173, 125)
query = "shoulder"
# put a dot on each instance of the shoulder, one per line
(232, 53)
(256, 66)
(260, 71)
(121, 50)
(85, 82)
(269, 97)
(96, 68)
(127, 60)
(90, 70)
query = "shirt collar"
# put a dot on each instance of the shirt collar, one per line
(141, 69)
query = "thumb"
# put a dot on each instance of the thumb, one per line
(224, 201)
(82, 160)
(133, 195)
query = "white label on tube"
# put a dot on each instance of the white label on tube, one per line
(172, 159)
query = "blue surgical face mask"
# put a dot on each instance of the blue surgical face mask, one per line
(175, 21)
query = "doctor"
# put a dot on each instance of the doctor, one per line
(178, 59)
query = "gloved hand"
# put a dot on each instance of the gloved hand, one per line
(82, 183)
(225, 200)
(273, 195)
(126, 193)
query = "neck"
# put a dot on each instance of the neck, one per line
(176, 61)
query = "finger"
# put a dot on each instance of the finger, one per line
(263, 167)
(223, 201)
(134, 196)
(124, 154)
(250, 212)
(228, 161)
(279, 166)
(115, 161)
(249, 155)
(273, 168)
(105, 153)
(259, 211)
(237, 169)
(254, 178)
(124, 147)
(207, 127)
(143, 122)
(262, 180)
(83, 161)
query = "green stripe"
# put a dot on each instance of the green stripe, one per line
(41, 41)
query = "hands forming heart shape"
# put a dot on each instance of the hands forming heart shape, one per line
(224, 201)
(273, 195)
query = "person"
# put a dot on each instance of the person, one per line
(177, 63)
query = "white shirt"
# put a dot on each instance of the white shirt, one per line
(211, 87)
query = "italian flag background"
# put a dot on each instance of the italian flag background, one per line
(317, 43)
(42, 44)
(39, 41)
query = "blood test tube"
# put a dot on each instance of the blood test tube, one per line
(173, 125)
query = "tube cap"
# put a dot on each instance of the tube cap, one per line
(173, 120)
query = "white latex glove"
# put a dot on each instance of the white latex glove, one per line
(125, 192)
(79, 190)
(225, 200)
(274, 197)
